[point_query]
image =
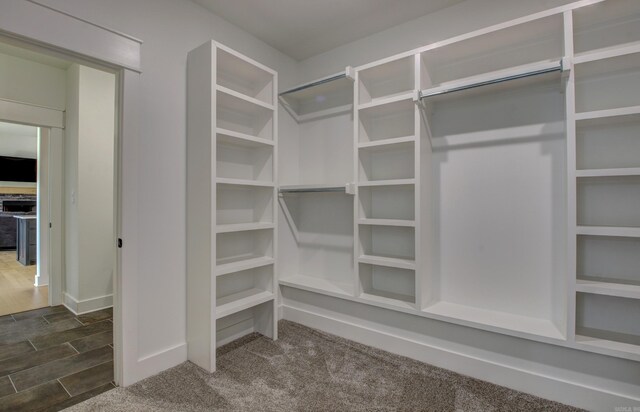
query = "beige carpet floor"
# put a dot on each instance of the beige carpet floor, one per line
(308, 370)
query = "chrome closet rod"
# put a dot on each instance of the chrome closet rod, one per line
(316, 83)
(424, 95)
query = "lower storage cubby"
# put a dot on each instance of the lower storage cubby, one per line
(609, 259)
(388, 285)
(240, 246)
(259, 318)
(242, 290)
(607, 319)
(609, 201)
(387, 241)
(387, 202)
(242, 204)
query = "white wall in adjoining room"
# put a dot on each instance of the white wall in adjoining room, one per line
(169, 30)
(18, 140)
(89, 190)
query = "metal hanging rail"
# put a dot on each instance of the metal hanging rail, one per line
(348, 188)
(347, 74)
(424, 94)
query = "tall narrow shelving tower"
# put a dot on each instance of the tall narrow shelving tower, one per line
(231, 200)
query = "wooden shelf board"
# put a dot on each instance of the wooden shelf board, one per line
(228, 305)
(401, 302)
(608, 231)
(387, 222)
(241, 139)
(608, 289)
(384, 143)
(243, 182)
(607, 52)
(241, 227)
(628, 171)
(496, 319)
(393, 182)
(387, 261)
(387, 100)
(244, 97)
(316, 284)
(338, 187)
(600, 114)
(244, 264)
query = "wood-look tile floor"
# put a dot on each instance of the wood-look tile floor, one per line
(51, 359)
(17, 292)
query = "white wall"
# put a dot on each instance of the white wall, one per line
(89, 171)
(18, 143)
(32, 82)
(169, 29)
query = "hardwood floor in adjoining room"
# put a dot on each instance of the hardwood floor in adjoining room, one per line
(51, 359)
(17, 293)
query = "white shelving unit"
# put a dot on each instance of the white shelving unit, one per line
(607, 177)
(231, 200)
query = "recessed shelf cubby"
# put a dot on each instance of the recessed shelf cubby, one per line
(608, 84)
(387, 163)
(609, 201)
(241, 246)
(605, 25)
(242, 116)
(608, 143)
(609, 259)
(609, 319)
(387, 202)
(388, 285)
(245, 162)
(243, 77)
(241, 204)
(387, 242)
(385, 80)
(387, 121)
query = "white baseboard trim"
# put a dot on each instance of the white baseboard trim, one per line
(547, 387)
(159, 361)
(80, 307)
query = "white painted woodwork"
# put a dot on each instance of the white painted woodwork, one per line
(231, 200)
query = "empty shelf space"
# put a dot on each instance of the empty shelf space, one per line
(240, 301)
(494, 52)
(471, 316)
(388, 284)
(608, 231)
(388, 261)
(608, 261)
(389, 222)
(240, 265)
(391, 120)
(606, 24)
(611, 83)
(380, 81)
(316, 284)
(609, 201)
(243, 116)
(609, 289)
(244, 76)
(387, 202)
(390, 163)
(241, 227)
(234, 138)
(243, 182)
(224, 91)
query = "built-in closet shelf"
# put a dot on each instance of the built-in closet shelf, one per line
(245, 264)
(609, 289)
(243, 182)
(608, 231)
(233, 93)
(607, 52)
(609, 347)
(228, 305)
(495, 77)
(602, 114)
(320, 285)
(387, 222)
(394, 182)
(630, 171)
(241, 139)
(401, 301)
(385, 143)
(388, 261)
(318, 188)
(489, 319)
(387, 101)
(241, 227)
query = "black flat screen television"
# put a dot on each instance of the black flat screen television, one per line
(17, 169)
